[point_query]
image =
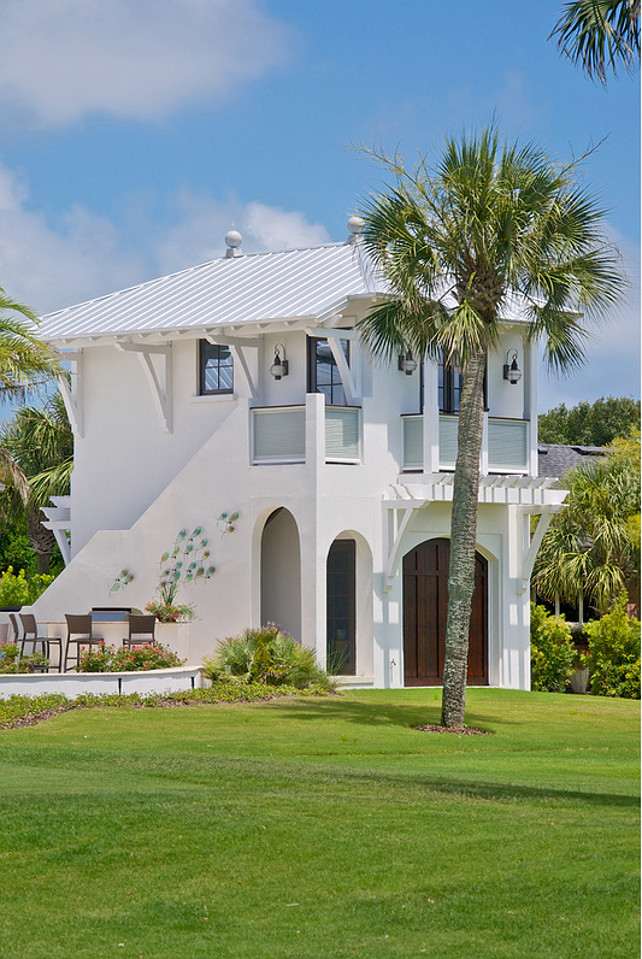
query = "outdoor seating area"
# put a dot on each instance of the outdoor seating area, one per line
(61, 645)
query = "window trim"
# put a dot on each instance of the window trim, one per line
(450, 373)
(312, 368)
(202, 360)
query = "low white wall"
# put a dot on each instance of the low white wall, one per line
(72, 685)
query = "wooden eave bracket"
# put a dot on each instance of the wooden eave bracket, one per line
(401, 523)
(530, 553)
(72, 394)
(161, 393)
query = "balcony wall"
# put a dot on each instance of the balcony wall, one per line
(505, 446)
(279, 434)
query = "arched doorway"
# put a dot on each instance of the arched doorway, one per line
(281, 573)
(425, 605)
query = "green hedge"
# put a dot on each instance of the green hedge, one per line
(614, 644)
(552, 651)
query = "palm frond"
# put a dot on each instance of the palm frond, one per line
(601, 35)
(488, 220)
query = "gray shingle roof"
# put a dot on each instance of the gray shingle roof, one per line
(555, 459)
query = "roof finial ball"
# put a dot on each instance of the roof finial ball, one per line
(356, 226)
(233, 240)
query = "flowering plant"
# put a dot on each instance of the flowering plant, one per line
(583, 658)
(170, 613)
(108, 659)
(12, 662)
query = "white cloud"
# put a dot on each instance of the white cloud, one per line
(52, 265)
(63, 60)
(202, 223)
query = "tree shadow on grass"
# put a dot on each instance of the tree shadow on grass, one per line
(406, 715)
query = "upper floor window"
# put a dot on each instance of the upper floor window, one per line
(449, 384)
(323, 373)
(216, 369)
(448, 387)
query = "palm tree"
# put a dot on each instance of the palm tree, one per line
(26, 361)
(453, 242)
(592, 547)
(600, 35)
(36, 460)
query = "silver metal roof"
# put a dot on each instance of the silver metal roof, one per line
(312, 283)
(309, 284)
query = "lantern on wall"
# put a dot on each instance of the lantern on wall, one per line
(512, 372)
(407, 363)
(279, 368)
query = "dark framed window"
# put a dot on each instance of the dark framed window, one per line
(216, 369)
(341, 607)
(323, 373)
(449, 386)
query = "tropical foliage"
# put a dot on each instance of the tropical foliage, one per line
(552, 651)
(26, 362)
(455, 240)
(20, 589)
(36, 458)
(614, 645)
(265, 655)
(592, 546)
(600, 35)
(589, 424)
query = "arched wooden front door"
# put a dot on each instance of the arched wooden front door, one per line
(425, 604)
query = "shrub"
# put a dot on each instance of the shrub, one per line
(614, 643)
(12, 662)
(552, 651)
(20, 589)
(265, 655)
(108, 659)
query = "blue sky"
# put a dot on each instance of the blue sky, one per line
(136, 131)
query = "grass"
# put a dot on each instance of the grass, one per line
(323, 828)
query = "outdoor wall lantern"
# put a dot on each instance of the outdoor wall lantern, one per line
(512, 372)
(279, 368)
(407, 364)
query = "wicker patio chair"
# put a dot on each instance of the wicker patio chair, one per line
(16, 629)
(79, 633)
(141, 630)
(30, 635)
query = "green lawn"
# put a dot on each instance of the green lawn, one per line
(323, 828)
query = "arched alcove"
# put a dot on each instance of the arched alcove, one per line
(281, 572)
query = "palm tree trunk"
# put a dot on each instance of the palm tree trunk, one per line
(463, 539)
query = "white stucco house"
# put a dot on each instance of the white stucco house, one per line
(241, 386)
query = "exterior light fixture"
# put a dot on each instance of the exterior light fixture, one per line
(407, 364)
(512, 372)
(279, 368)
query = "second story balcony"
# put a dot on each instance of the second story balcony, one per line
(282, 434)
(506, 445)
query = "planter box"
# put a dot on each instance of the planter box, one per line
(71, 685)
(579, 680)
